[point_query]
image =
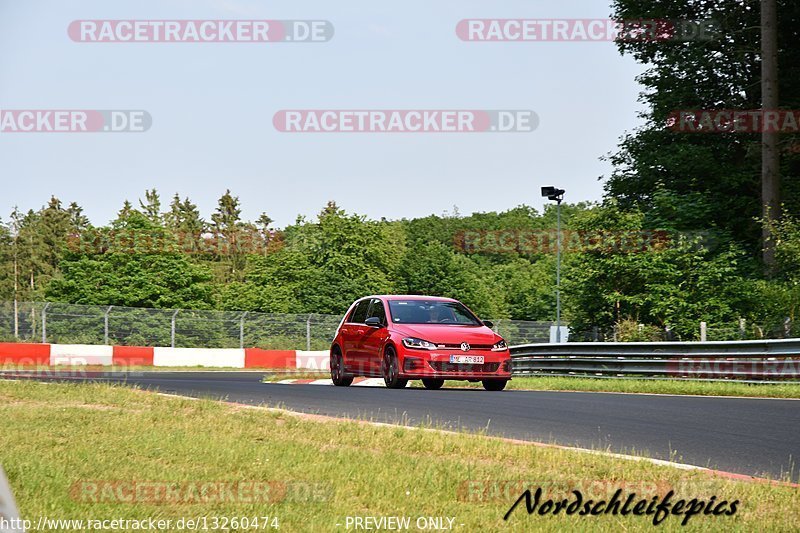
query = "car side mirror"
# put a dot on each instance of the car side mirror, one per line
(374, 322)
(488, 323)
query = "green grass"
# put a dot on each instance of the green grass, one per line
(642, 386)
(695, 388)
(52, 436)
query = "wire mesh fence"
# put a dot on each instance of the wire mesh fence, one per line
(522, 331)
(190, 328)
(732, 331)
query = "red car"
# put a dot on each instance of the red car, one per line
(433, 339)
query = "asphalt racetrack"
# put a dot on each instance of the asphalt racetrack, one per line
(748, 436)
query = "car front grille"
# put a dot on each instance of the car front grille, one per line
(455, 367)
(471, 346)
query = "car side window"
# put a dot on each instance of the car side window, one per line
(359, 315)
(377, 310)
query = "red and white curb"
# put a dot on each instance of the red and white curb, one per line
(357, 382)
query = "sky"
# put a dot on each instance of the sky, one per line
(212, 107)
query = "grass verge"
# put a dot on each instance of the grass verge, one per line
(695, 388)
(56, 435)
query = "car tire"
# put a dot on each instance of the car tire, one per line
(494, 384)
(339, 378)
(432, 383)
(390, 370)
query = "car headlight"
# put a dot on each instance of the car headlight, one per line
(500, 346)
(418, 344)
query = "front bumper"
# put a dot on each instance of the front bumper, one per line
(417, 364)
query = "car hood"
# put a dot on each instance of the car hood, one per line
(444, 334)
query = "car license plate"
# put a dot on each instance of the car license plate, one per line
(467, 359)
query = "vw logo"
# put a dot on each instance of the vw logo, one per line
(464, 347)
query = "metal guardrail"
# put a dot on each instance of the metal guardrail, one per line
(749, 361)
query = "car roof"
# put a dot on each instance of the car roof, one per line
(410, 297)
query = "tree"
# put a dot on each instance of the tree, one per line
(321, 267)
(123, 214)
(136, 280)
(707, 181)
(228, 214)
(228, 232)
(435, 269)
(151, 206)
(675, 280)
(54, 227)
(185, 221)
(770, 155)
(15, 227)
(39, 240)
(528, 288)
(7, 262)
(78, 222)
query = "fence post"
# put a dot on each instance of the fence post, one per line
(308, 333)
(44, 323)
(241, 330)
(742, 328)
(702, 332)
(172, 332)
(105, 323)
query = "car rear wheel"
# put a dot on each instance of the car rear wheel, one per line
(432, 383)
(337, 371)
(390, 370)
(494, 384)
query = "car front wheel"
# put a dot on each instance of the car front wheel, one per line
(432, 383)
(494, 384)
(390, 370)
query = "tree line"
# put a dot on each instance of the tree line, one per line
(617, 269)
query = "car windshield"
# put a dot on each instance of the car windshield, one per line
(431, 312)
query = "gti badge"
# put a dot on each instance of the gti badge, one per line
(464, 347)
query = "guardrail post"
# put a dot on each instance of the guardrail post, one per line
(172, 332)
(44, 323)
(105, 324)
(241, 330)
(702, 332)
(308, 333)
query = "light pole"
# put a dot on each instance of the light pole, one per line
(553, 193)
